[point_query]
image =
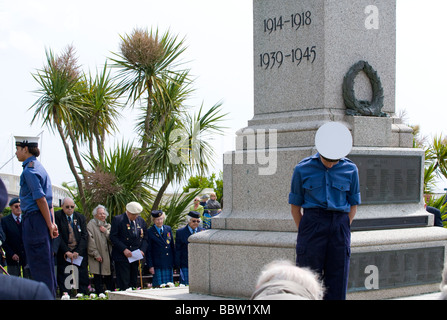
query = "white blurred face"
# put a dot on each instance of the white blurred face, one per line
(68, 207)
(158, 221)
(101, 214)
(194, 223)
(15, 209)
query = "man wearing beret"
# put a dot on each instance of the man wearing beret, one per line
(13, 244)
(181, 244)
(38, 225)
(326, 186)
(128, 233)
(160, 255)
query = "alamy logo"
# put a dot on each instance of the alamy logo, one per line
(260, 147)
(372, 280)
(372, 20)
(72, 280)
(253, 147)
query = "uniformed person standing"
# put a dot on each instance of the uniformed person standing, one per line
(38, 225)
(160, 250)
(128, 233)
(326, 187)
(181, 244)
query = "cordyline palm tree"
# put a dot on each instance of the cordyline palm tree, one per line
(83, 110)
(61, 100)
(435, 167)
(145, 62)
(437, 156)
(180, 149)
(117, 179)
(148, 70)
(102, 98)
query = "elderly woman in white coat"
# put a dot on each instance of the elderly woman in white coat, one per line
(99, 248)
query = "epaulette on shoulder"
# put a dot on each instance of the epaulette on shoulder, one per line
(31, 164)
(305, 160)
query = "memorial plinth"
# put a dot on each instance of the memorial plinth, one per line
(302, 52)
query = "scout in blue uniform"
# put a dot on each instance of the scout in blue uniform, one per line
(127, 234)
(38, 226)
(326, 186)
(181, 244)
(160, 250)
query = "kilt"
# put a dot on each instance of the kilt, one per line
(162, 276)
(184, 277)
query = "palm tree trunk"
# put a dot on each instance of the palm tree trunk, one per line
(71, 162)
(160, 194)
(147, 120)
(75, 149)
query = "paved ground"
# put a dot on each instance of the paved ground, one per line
(183, 294)
(428, 296)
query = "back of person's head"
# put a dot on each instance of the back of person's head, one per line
(284, 281)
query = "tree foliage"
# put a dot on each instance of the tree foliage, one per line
(146, 75)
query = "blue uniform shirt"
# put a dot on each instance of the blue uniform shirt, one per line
(34, 184)
(315, 186)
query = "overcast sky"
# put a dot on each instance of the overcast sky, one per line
(219, 36)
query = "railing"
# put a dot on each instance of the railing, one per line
(12, 183)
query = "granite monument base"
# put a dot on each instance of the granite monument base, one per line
(384, 263)
(256, 226)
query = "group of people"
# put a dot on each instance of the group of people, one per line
(125, 246)
(37, 238)
(134, 244)
(208, 207)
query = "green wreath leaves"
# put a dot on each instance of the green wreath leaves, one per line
(363, 108)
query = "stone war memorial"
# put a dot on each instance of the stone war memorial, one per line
(317, 61)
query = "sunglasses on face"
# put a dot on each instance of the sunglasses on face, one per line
(195, 220)
(69, 207)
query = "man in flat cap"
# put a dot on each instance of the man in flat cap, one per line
(128, 233)
(38, 225)
(181, 244)
(326, 187)
(13, 244)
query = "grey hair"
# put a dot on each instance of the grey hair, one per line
(65, 199)
(95, 211)
(305, 282)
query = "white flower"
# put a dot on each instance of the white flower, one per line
(65, 296)
(129, 290)
(163, 285)
(92, 295)
(102, 296)
(79, 295)
(170, 285)
(181, 285)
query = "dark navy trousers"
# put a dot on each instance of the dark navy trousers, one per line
(324, 245)
(39, 249)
